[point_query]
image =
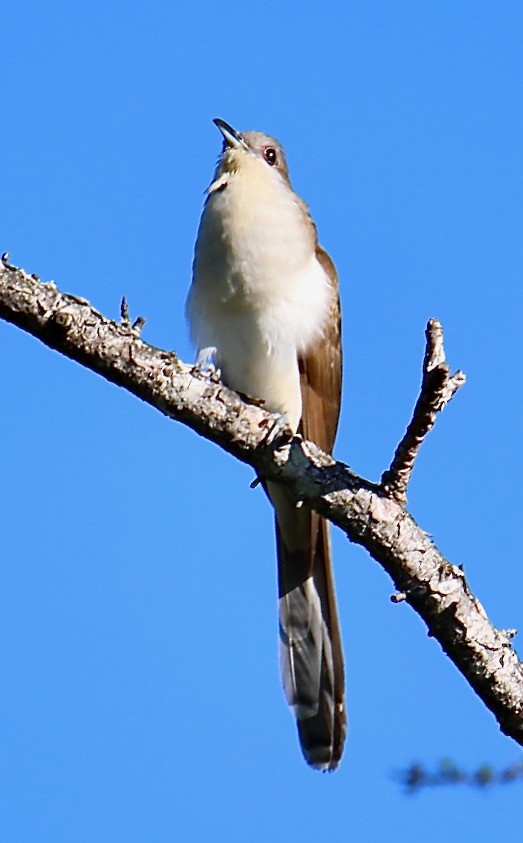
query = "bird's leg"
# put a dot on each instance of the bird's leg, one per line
(205, 366)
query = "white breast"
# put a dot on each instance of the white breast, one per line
(259, 295)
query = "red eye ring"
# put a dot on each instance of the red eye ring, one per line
(269, 153)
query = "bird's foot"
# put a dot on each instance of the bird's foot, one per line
(278, 429)
(205, 366)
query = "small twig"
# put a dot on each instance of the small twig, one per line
(124, 313)
(438, 386)
(138, 323)
(416, 777)
(6, 256)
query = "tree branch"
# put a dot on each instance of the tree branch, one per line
(370, 514)
(438, 387)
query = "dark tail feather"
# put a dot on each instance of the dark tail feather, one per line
(311, 655)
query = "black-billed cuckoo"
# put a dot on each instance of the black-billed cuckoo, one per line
(264, 308)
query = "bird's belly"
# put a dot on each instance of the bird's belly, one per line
(259, 361)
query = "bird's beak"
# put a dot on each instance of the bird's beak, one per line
(232, 138)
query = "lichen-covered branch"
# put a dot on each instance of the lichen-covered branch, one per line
(438, 386)
(368, 514)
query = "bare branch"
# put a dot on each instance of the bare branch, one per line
(438, 386)
(435, 588)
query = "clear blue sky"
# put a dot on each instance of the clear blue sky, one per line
(140, 692)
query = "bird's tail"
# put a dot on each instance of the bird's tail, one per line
(311, 657)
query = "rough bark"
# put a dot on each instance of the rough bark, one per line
(372, 515)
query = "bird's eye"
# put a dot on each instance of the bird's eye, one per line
(269, 153)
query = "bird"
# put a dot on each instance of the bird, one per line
(263, 310)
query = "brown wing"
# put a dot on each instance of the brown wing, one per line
(312, 656)
(321, 372)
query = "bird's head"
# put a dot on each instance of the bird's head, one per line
(241, 151)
